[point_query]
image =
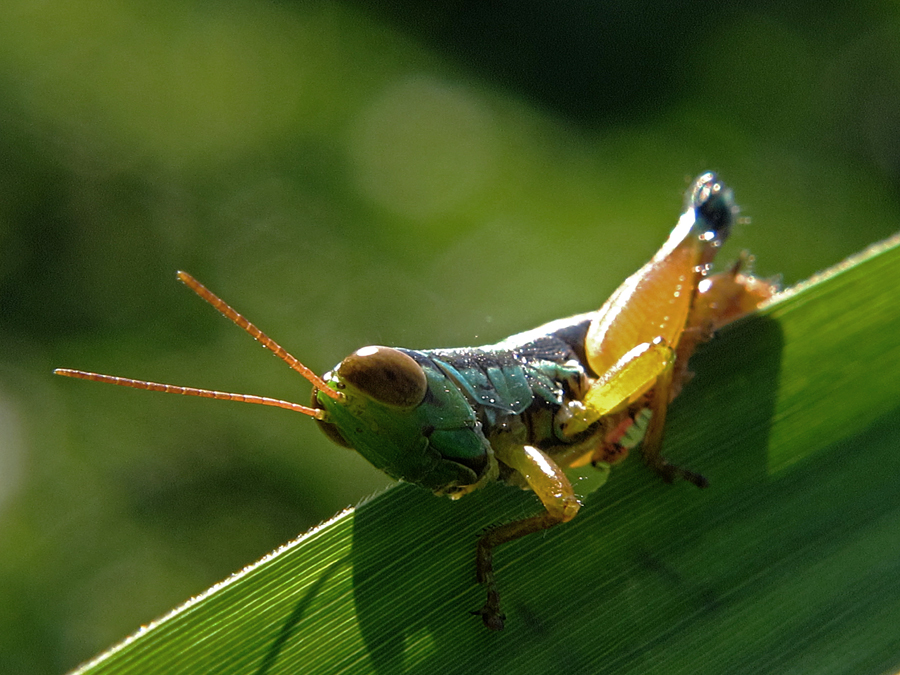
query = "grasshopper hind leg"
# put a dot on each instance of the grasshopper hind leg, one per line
(721, 299)
(653, 438)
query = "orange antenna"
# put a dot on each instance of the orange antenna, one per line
(257, 334)
(225, 310)
(190, 391)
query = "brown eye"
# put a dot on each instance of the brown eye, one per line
(387, 375)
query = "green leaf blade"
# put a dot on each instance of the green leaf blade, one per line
(789, 562)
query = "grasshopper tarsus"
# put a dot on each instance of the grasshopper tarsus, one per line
(491, 616)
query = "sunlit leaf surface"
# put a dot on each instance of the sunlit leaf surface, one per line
(788, 562)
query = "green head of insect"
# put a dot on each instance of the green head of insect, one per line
(396, 409)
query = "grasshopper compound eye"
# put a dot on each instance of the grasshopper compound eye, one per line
(386, 375)
(713, 202)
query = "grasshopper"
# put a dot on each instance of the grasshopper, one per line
(525, 409)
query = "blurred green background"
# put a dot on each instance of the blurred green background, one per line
(351, 173)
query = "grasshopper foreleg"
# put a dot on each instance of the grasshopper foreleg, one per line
(554, 490)
(491, 614)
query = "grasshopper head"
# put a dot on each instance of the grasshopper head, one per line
(401, 414)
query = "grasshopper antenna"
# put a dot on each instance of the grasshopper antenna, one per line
(188, 391)
(226, 310)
